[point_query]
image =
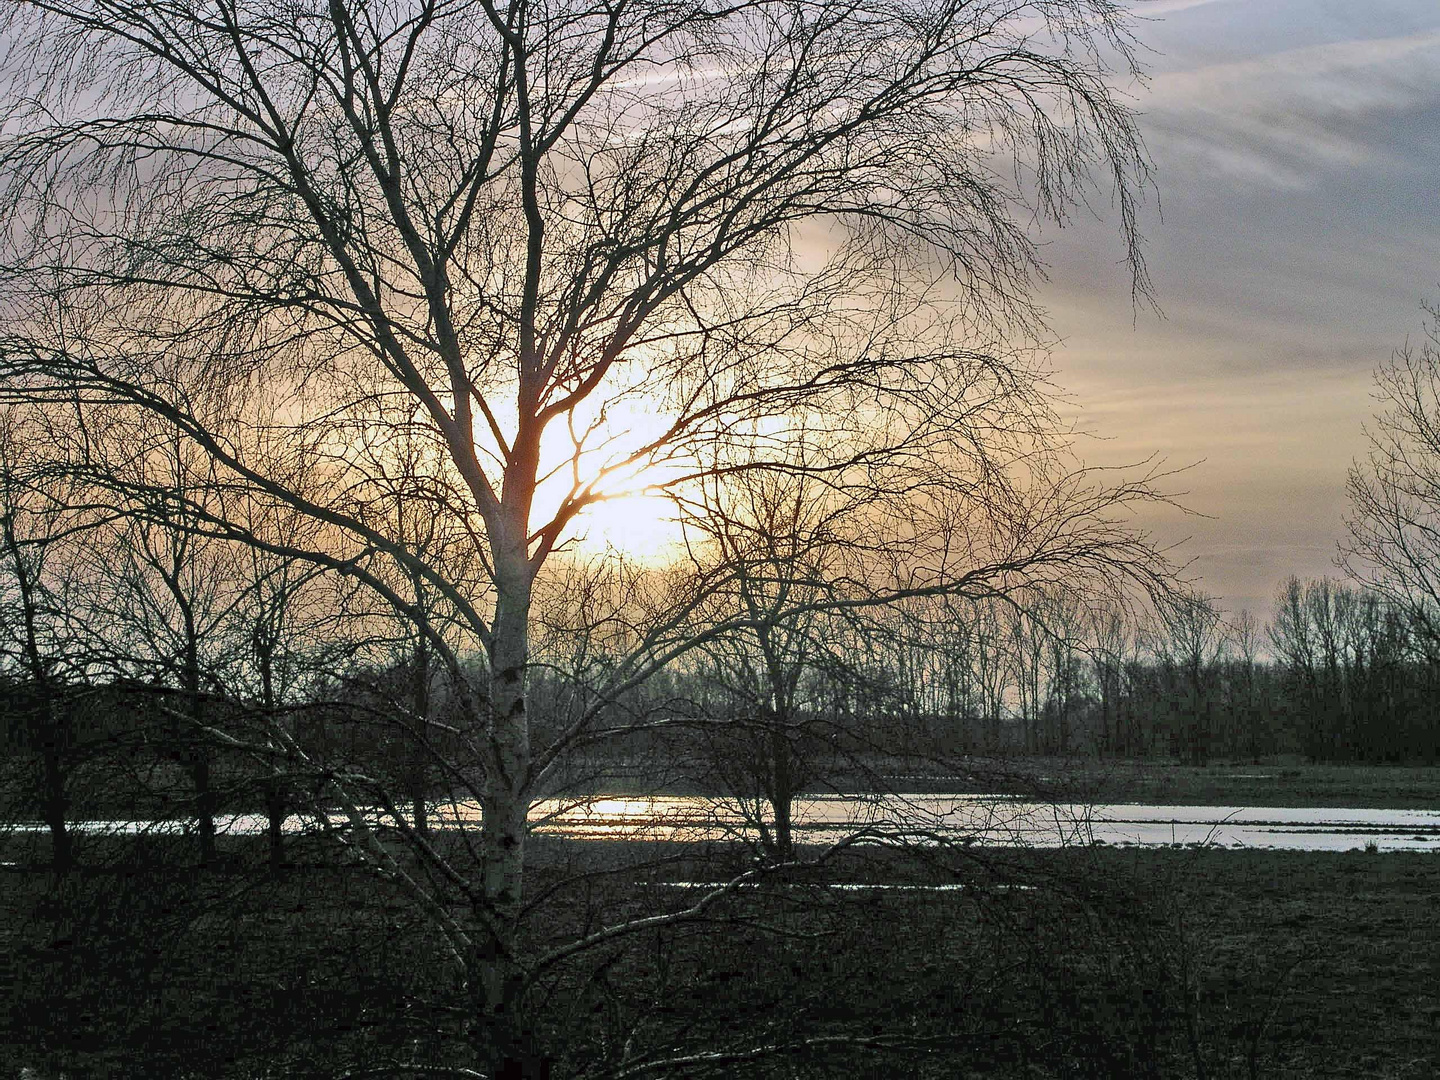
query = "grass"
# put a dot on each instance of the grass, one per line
(1342, 947)
(1395, 787)
(1317, 964)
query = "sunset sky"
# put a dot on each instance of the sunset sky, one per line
(1297, 154)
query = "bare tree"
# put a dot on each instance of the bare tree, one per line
(1110, 635)
(777, 547)
(1027, 641)
(169, 594)
(1393, 545)
(402, 460)
(991, 667)
(1339, 649)
(1245, 705)
(1066, 624)
(286, 622)
(516, 230)
(936, 653)
(1189, 645)
(39, 602)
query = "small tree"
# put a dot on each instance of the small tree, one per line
(782, 551)
(1189, 646)
(1393, 544)
(286, 625)
(1247, 713)
(167, 594)
(39, 601)
(1110, 635)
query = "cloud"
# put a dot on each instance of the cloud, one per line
(1156, 8)
(1269, 452)
(1296, 144)
(1280, 119)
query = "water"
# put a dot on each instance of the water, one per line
(993, 820)
(915, 819)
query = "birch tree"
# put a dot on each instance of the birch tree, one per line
(569, 246)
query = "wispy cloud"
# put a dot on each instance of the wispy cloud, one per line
(1297, 145)
(1278, 119)
(1152, 8)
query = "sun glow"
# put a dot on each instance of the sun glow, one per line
(641, 527)
(630, 518)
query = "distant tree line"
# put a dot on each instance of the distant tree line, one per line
(156, 673)
(1338, 674)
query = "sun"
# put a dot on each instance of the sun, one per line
(629, 518)
(640, 527)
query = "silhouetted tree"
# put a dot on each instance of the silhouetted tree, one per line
(515, 231)
(1189, 645)
(1393, 545)
(39, 598)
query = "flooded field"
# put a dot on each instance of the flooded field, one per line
(1011, 822)
(915, 819)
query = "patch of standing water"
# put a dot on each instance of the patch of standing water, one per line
(997, 820)
(898, 818)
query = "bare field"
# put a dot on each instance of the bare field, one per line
(1300, 964)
